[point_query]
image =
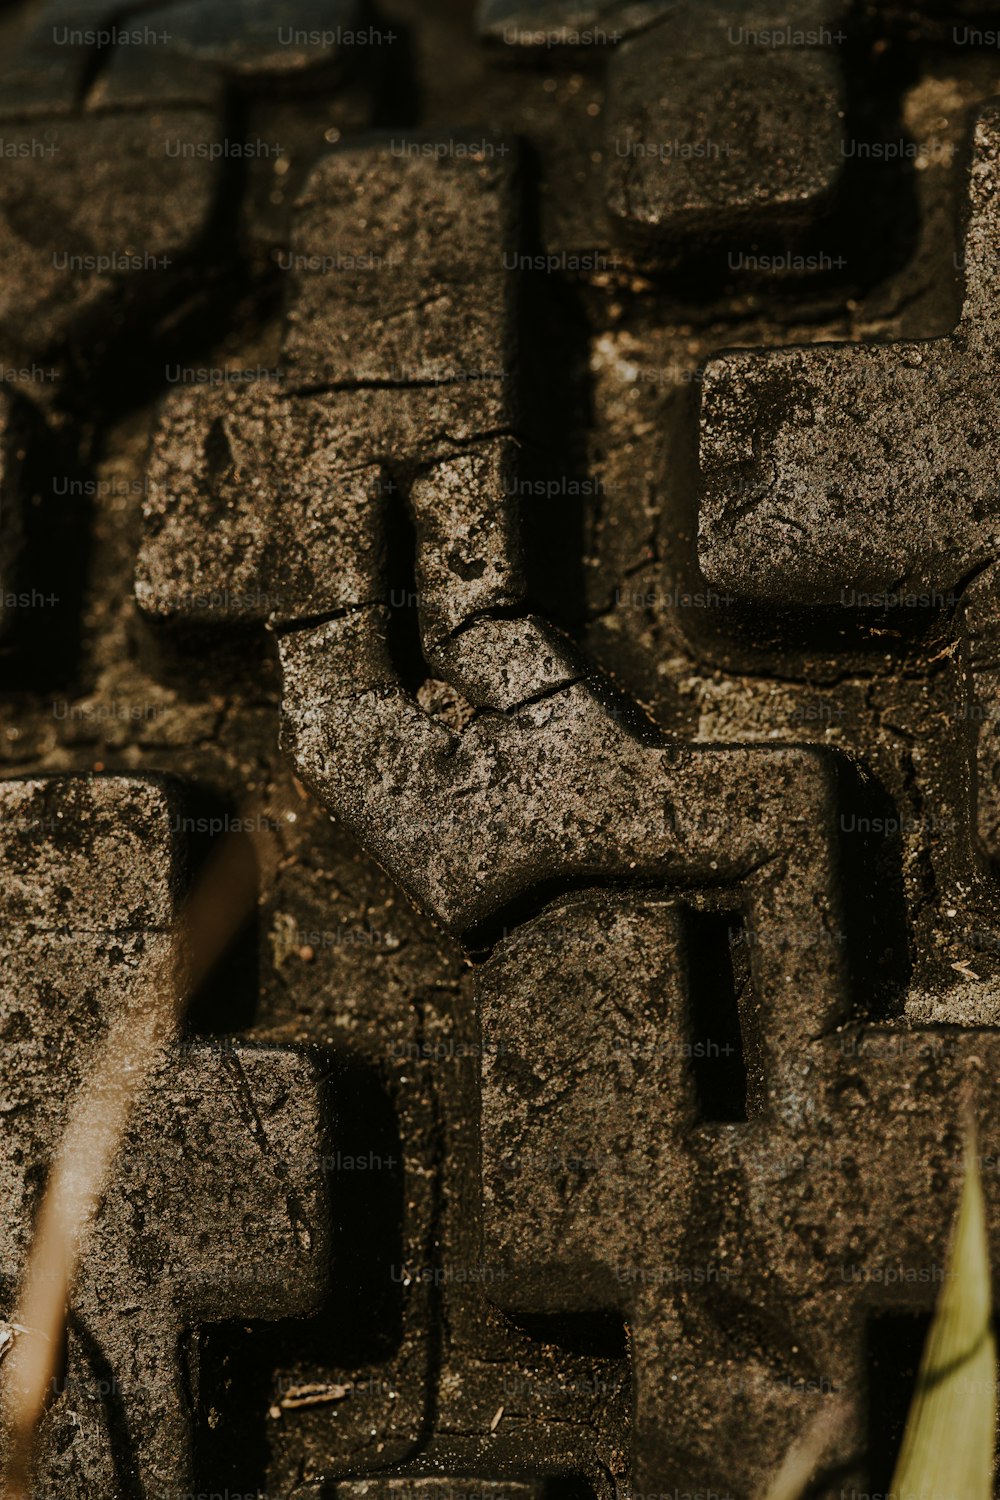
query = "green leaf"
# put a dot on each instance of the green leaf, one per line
(948, 1446)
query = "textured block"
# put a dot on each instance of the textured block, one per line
(564, 23)
(864, 476)
(402, 278)
(709, 135)
(860, 466)
(747, 1258)
(416, 348)
(217, 1208)
(253, 487)
(98, 206)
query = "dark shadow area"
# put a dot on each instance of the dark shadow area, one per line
(52, 491)
(594, 1335)
(741, 1325)
(398, 97)
(719, 995)
(210, 660)
(113, 365)
(878, 943)
(61, 1370)
(140, 355)
(568, 1487)
(894, 1344)
(555, 486)
(226, 1000)
(835, 1477)
(785, 642)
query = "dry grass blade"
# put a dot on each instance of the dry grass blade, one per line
(948, 1447)
(98, 1119)
(805, 1457)
(94, 1132)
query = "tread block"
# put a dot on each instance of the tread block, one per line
(112, 152)
(788, 23)
(552, 786)
(468, 548)
(714, 1257)
(273, 554)
(721, 121)
(217, 1208)
(864, 475)
(403, 279)
(81, 48)
(348, 419)
(230, 537)
(526, 775)
(760, 1243)
(254, 37)
(564, 23)
(105, 211)
(249, 42)
(710, 137)
(860, 466)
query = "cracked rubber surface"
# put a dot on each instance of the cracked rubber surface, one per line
(539, 460)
